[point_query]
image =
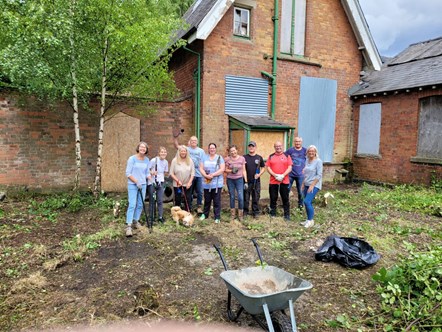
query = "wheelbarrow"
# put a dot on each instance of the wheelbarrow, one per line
(263, 289)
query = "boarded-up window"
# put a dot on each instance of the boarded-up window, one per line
(317, 114)
(369, 131)
(246, 96)
(293, 27)
(430, 128)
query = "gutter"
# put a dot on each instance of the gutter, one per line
(198, 94)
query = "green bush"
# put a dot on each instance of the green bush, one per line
(52, 205)
(411, 291)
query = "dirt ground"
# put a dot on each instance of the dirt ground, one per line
(171, 273)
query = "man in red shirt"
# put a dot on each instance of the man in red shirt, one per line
(279, 166)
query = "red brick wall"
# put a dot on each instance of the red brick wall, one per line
(37, 147)
(398, 141)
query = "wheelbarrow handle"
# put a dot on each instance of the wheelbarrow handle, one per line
(218, 249)
(255, 243)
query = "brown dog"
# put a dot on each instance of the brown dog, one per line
(181, 216)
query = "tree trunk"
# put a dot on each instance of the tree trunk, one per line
(97, 183)
(77, 137)
(77, 178)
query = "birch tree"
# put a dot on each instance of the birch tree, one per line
(42, 53)
(74, 50)
(135, 41)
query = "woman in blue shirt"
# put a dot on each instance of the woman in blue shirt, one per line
(212, 169)
(137, 172)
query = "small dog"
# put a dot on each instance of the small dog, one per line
(181, 216)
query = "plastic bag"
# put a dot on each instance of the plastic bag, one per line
(347, 251)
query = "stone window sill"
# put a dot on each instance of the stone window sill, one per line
(368, 156)
(424, 160)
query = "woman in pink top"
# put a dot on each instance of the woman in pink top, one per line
(236, 181)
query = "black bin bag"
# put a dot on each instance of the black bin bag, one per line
(347, 251)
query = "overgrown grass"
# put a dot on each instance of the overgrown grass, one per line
(50, 206)
(410, 289)
(78, 247)
(407, 198)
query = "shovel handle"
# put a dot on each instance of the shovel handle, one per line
(255, 243)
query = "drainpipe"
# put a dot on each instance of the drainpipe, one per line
(272, 76)
(198, 93)
(275, 19)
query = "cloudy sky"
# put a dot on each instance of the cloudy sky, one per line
(395, 24)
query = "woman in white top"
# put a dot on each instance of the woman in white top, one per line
(159, 168)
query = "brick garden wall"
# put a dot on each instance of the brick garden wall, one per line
(37, 148)
(398, 141)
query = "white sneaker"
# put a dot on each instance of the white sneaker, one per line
(309, 223)
(302, 223)
(202, 217)
(128, 231)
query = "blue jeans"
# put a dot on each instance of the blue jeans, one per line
(238, 186)
(135, 204)
(298, 181)
(197, 185)
(308, 202)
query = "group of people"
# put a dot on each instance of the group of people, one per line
(200, 174)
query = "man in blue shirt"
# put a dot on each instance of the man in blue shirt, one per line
(298, 155)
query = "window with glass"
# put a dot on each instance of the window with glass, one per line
(293, 13)
(241, 23)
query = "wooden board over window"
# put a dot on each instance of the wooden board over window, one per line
(121, 136)
(265, 141)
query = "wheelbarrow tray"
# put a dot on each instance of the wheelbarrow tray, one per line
(255, 286)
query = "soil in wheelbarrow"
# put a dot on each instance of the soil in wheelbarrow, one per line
(61, 271)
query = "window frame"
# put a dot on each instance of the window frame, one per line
(292, 39)
(240, 21)
(369, 130)
(427, 132)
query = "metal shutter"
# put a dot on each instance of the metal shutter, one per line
(246, 96)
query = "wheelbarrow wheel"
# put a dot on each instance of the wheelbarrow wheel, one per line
(281, 322)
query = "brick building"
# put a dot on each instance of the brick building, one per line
(398, 118)
(257, 75)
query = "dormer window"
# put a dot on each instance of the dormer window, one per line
(241, 22)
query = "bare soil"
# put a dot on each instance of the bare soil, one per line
(173, 272)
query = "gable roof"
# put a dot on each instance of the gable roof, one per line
(418, 66)
(203, 16)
